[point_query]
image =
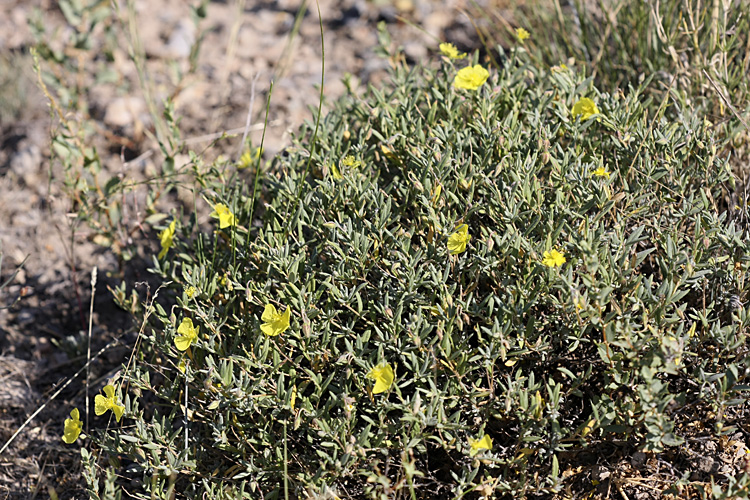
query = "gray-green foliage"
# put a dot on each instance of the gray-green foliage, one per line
(641, 325)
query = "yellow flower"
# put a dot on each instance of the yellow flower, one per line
(383, 376)
(450, 51)
(225, 216)
(187, 334)
(458, 240)
(553, 258)
(585, 108)
(102, 403)
(522, 34)
(601, 172)
(351, 162)
(335, 173)
(190, 291)
(73, 427)
(249, 157)
(560, 68)
(471, 77)
(166, 237)
(480, 444)
(274, 322)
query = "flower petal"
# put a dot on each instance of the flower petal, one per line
(118, 410)
(182, 342)
(269, 313)
(101, 405)
(186, 327)
(480, 444)
(283, 322)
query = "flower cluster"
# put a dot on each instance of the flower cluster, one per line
(522, 34)
(450, 51)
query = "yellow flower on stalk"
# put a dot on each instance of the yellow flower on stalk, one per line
(383, 376)
(471, 77)
(108, 402)
(450, 51)
(522, 34)
(225, 216)
(249, 157)
(73, 427)
(190, 291)
(458, 240)
(166, 237)
(274, 322)
(601, 172)
(585, 108)
(186, 334)
(480, 444)
(553, 258)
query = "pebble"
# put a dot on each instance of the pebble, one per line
(638, 459)
(123, 111)
(26, 162)
(181, 42)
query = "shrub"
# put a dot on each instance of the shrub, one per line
(600, 297)
(695, 51)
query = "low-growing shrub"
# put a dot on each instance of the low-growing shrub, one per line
(449, 292)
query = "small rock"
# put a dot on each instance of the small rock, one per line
(26, 162)
(706, 464)
(710, 447)
(124, 111)
(181, 42)
(21, 279)
(415, 51)
(600, 473)
(638, 459)
(437, 21)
